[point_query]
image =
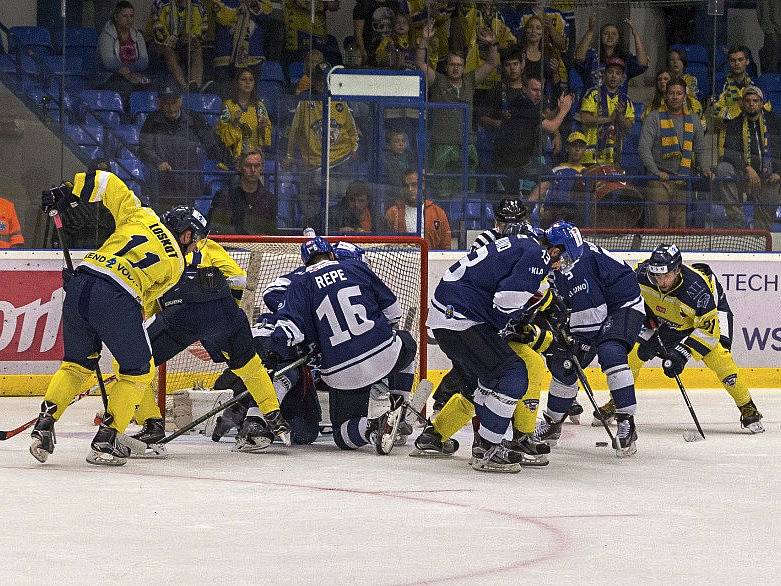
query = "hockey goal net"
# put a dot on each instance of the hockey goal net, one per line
(401, 263)
(687, 239)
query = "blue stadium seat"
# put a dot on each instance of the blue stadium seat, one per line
(204, 103)
(473, 209)
(71, 67)
(769, 82)
(270, 92)
(136, 188)
(295, 71)
(702, 75)
(36, 38)
(24, 77)
(288, 214)
(104, 105)
(75, 36)
(126, 139)
(131, 169)
(89, 138)
(272, 71)
(575, 84)
(142, 103)
(694, 53)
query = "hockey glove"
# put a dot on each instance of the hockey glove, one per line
(58, 198)
(648, 344)
(676, 360)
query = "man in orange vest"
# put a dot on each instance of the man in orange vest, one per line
(10, 230)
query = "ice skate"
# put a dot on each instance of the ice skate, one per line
(231, 418)
(383, 431)
(608, 412)
(574, 412)
(151, 434)
(254, 435)
(43, 438)
(488, 457)
(278, 426)
(532, 453)
(751, 418)
(547, 431)
(405, 430)
(106, 449)
(429, 444)
(626, 436)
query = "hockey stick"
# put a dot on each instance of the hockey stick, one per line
(55, 216)
(4, 435)
(139, 448)
(590, 394)
(687, 435)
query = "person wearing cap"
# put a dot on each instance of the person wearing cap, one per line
(558, 194)
(606, 112)
(671, 144)
(173, 143)
(751, 163)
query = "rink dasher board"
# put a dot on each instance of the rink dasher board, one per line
(31, 304)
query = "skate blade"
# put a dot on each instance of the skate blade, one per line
(38, 453)
(487, 466)
(532, 461)
(286, 439)
(253, 447)
(136, 447)
(692, 436)
(626, 452)
(755, 427)
(153, 452)
(597, 423)
(104, 459)
(386, 438)
(552, 442)
(574, 419)
(401, 440)
(418, 453)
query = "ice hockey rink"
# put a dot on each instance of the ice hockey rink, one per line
(677, 512)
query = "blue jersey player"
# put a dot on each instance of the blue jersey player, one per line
(475, 299)
(606, 312)
(349, 314)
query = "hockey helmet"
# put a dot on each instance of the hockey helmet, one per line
(317, 245)
(345, 250)
(511, 211)
(568, 237)
(183, 218)
(664, 259)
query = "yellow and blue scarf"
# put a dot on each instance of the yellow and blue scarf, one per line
(672, 148)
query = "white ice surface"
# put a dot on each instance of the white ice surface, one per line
(676, 513)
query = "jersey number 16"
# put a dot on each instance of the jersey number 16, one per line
(353, 314)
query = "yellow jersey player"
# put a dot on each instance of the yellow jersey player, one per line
(202, 307)
(688, 305)
(138, 262)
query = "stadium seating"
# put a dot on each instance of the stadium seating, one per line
(89, 138)
(125, 141)
(36, 38)
(130, 169)
(141, 104)
(295, 71)
(272, 71)
(70, 67)
(209, 105)
(104, 105)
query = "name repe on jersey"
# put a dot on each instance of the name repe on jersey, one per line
(491, 284)
(598, 284)
(344, 308)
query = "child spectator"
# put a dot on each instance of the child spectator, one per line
(395, 51)
(606, 112)
(402, 216)
(245, 122)
(10, 229)
(398, 157)
(178, 27)
(313, 59)
(123, 55)
(353, 212)
(593, 63)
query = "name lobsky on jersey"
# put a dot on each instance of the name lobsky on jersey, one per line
(158, 231)
(329, 278)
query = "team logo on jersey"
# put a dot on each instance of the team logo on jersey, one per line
(339, 107)
(449, 312)
(660, 309)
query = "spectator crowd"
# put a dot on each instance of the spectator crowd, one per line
(549, 115)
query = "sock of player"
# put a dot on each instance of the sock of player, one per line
(525, 414)
(351, 433)
(126, 394)
(495, 406)
(65, 385)
(259, 384)
(457, 412)
(147, 408)
(560, 397)
(720, 361)
(620, 382)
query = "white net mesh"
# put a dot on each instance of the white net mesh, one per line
(400, 262)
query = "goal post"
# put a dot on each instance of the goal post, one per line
(400, 261)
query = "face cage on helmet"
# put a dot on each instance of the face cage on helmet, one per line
(566, 264)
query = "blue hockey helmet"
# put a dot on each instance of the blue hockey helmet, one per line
(317, 245)
(568, 237)
(344, 250)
